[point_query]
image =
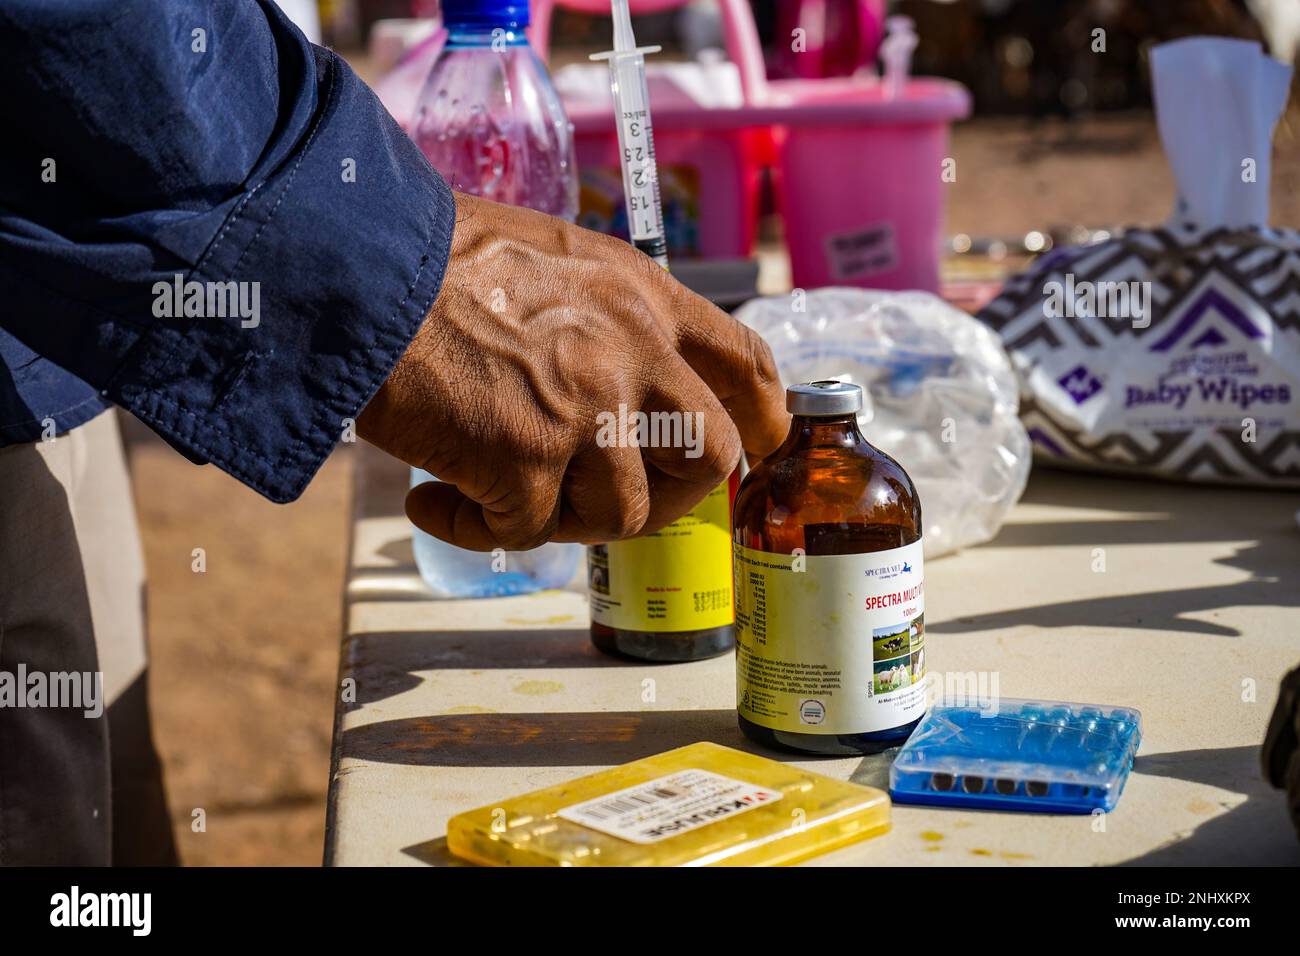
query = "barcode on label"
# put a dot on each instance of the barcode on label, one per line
(667, 806)
(635, 800)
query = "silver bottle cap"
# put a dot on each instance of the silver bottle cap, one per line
(824, 399)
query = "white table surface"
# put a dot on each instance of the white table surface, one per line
(462, 703)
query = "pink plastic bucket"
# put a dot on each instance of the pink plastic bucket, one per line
(860, 181)
(859, 175)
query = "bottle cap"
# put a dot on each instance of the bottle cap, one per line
(485, 13)
(824, 399)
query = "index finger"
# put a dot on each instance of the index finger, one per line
(737, 365)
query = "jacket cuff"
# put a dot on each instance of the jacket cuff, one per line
(311, 292)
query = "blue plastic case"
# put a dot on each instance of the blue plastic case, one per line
(1021, 755)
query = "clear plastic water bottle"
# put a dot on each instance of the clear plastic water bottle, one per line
(452, 572)
(489, 118)
(490, 121)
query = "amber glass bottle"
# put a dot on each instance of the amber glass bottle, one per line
(830, 597)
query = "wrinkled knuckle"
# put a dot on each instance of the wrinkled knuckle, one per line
(525, 532)
(761, 361)
(631, 510)
(719, 455)
(751, 358)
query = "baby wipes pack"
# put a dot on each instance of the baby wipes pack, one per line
(1175, 351)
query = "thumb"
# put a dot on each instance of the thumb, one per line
(444, 511)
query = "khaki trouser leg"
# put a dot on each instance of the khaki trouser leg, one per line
(76, 789)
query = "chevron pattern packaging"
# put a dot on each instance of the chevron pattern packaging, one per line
(1174, 351)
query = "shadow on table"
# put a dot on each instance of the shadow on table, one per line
(1255, 832)
(397, 580)
(1163, 513)
(873, 769)
(539, 740)
(434, 853)
(384, 664)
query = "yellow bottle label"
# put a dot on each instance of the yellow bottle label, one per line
(677, 579)
(830, 644)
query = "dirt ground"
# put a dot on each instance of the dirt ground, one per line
(1013, 176)
(245, 655)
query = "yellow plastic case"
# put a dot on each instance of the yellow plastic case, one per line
(701, 805)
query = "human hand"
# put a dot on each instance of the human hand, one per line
(540, 327)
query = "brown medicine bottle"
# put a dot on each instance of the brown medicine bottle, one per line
(830, 597)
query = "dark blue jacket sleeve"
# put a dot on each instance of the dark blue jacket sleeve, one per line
(211, 221)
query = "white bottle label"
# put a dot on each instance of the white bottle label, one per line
(830, 644)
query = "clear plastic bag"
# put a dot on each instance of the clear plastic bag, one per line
(942, 397)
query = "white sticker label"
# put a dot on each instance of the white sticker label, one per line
(862, 252)
(666, 806)
(830, 644)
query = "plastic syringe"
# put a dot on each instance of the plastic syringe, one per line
(636, 142)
